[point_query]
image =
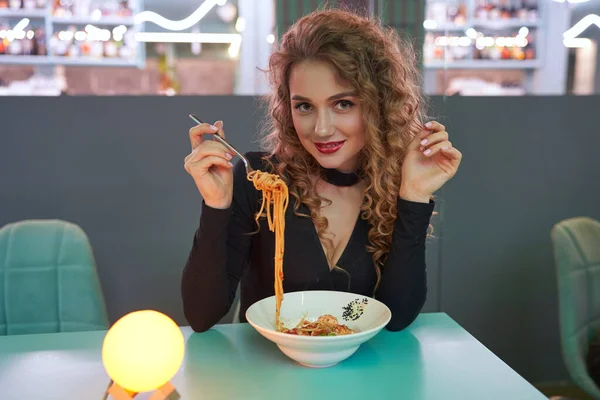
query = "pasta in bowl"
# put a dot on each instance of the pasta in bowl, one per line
(319, 328)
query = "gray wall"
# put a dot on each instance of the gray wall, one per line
(114, 165)
(528, 163)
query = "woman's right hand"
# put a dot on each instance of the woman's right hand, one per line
(210, 165)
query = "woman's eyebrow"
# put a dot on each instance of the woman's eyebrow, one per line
(349, 93)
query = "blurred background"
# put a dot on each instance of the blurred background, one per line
(141, 47)
(94, 104)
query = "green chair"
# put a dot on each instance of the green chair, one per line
(48, 279)
(576, 244)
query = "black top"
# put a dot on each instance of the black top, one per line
(225, 251)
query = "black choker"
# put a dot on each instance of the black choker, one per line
(338, 178)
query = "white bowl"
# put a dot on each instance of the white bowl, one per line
(365, 315)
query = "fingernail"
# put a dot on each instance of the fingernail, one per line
(214, 128)
(428, 125)
(426, 152)
(445, 148)
(228, 156)
(424, 142)
(230, 164)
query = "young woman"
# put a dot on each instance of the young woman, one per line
(347, 136)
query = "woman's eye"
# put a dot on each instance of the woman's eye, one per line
(303, 107)
(344, 104)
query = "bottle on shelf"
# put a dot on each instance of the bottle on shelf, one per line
(502, 9)
(40, 42)
(522, 11)
(437, 11)
(481, 10)
(124, 9)
(57, 46)
(27, 43)
(32, 44)
(532, 10)
(74, 42)
(3, 44)
(513, 9)
(116, 9)
(15, 4)
(507, 46)
(451, 13)
(15, 48)
(96, 49)
(62, 8)
(494, 12)
(460, 18)
(35, 46)
(57, 9)
(82, 8)
(85, 49)
(530, 51)
(518, 54)
(3, 41)
(110, 49)
(74, 50)
(505, 10)
(495, 53)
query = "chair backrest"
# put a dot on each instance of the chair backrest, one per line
(48, 279)
(576, 244)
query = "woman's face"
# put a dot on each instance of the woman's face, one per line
(326, 115)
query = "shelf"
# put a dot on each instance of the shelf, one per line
(55, 60)
(483, 64)
(57, 23)
(504, 24)
(22, 13)
(100, 62)
(127, 21)
(449, 28)
(488, 24)
(24, 60)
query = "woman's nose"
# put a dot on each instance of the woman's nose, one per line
(324, 124)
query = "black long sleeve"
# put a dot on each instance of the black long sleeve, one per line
(220, 253)
(225, 252)
(403, 286)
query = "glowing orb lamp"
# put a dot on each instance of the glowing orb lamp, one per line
(141, 352)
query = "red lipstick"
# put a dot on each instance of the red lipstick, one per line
(329, 147)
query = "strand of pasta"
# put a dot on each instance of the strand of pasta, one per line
(275, 200)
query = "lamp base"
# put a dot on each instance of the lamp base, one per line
(165, 392)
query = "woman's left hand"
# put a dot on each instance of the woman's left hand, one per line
(429, 163)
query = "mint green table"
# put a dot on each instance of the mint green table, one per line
(433, 359)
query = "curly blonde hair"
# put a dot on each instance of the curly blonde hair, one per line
(382, 68)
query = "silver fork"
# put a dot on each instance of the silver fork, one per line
(226, 144)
